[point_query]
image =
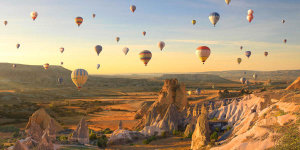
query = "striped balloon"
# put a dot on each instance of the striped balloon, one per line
(79, 77)
(248, 53)
(203, 53)
(46, 66)
(145, 56)
(78, 20)
(214, 18)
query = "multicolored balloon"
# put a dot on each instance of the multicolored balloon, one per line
(125, 50)
(46, 66)
(203, 52)
(117, 39)
(18, 46)
(227, 1)
(145, 56)
(61, 49)
(98, 49)
(250, 18)
(243, 80)
(5, 22)
(248, 53)
(214, 18)
(239, 60)
(79, 77)
(161, 45)
(132, 8)
(189, 92)
(78, 21)
(33, 15)
(194, 22)
(144, 33)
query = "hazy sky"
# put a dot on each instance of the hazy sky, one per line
(164, 20)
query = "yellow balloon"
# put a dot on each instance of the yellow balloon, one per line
(79, 77)
(194, 22)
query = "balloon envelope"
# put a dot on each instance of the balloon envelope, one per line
(248, 53)
(78, 21)
(250, 18)
(250, 11)
(98, 49)
(117, 39)
(254, 76)
(241, 47)
(203, 53)
(62, 50)
(94, 15)
(194, 22)
(98, 66)
(60, 80)
(145, 56)
(227, 1)
(161, 45)
(243, 80)
(285, 40)
(79, 77)
(144, 33)
(46, 66)
(14, 65)
(33, 15)
(239, 60)
(133, 8)
(5, 22)
(214, 18)
(198, 91)
(125, 50)
(266, 53)
(18, 45)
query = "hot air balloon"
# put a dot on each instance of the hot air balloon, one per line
(194, 22)
(250, 18)
(227, 1)
(214, 18)
(198, 91)
(254, 76)
(285, 40)
(241, 47)
(247, 82)
(161, 45)
(117, 39)
(33, 15)
(61, 49)
(243, 80)
(60, 80)
(14, 65)
(132, 8)
(144, 33)
(46, 66)
(239, 60)
(79, 77)
(189, 92)
(98, 66)
(61, 63)
(94, 15)
(250, 11)
(98, 49)
(78, 21)
(125, 50)
(266, 54)
(5, 22)
(145, 56)
(283, 21)
(18, 46)
(248, 53)
(203, 53)
(213, 86)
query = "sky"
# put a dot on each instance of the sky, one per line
(167, 20)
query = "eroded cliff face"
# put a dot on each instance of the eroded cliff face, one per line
(295, 85)
(254, 118)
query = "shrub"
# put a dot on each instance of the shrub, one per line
(9, 129)
(164, 134)
(63, 138)
(228, 128)
(214, 136)
(146, 141)
(107, 131)
(102, 141)
(93, 136)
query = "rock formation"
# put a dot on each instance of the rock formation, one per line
(20, 146)
(120, 125)
(169, 111)
(51, 129)
(81, 134)
(46, 142)
(41, 118)
(121, 136)
(34, 131)
(200, 136)
(295, 85)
